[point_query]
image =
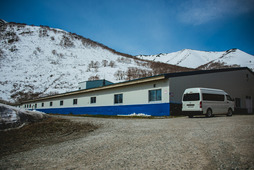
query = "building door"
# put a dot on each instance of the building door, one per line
(249, 104)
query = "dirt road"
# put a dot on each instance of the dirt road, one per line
(178, 143)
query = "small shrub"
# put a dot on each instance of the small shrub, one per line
(20, 96)
(43, 32)
(87, 42)
(94, 64)
(27, 33)
(11, 37)
(112, 64)
(38, 49)
(94, 78)
(35, 52)
(13, 48)
(66, 42)
(135, 73)
(124, 60)
(120, 75)
(54, 52)
(1, 54)
(104, 63)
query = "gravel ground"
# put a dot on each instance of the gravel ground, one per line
(178, 143)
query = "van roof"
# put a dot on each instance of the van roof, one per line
(198, 89)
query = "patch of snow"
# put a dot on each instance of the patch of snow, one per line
(12, 117)
(136, 114)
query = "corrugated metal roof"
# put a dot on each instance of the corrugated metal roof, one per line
(189, 73)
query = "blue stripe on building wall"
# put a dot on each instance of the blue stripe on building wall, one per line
(158, 109)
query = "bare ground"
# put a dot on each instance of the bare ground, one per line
(46, 132)
(179, 143)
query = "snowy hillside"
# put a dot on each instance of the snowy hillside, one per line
(41, 60)
(196, 59)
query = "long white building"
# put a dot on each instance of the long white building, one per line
(157, 96)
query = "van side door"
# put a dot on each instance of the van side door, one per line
(224, 105)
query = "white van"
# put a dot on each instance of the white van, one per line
(205, 101)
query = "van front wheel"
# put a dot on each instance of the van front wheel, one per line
(209, 113)
(230, 112)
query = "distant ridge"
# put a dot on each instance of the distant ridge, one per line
(204, 60)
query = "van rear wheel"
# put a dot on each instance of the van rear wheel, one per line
(209, 113)
(230, 112)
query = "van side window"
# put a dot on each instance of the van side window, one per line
(213, 97)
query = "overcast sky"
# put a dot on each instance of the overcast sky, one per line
(144, 26)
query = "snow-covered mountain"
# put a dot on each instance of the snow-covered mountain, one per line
(204, 60)
(37, 61)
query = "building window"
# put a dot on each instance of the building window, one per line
(155, 95)
(61, 103)
(118, 98)
(75, 101)
(51, 104)
(42, 104)
(93, 100)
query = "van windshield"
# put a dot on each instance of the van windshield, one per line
(191, 97)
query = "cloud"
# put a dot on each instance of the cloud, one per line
(198, 12)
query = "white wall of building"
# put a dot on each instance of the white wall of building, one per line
(132, 95)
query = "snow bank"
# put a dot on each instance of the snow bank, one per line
(12, 117)
(136, 114)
